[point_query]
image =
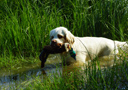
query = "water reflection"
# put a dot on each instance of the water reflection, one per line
(13, 80)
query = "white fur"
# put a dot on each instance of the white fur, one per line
(86, 48)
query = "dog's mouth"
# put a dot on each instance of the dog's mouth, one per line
(57, 45)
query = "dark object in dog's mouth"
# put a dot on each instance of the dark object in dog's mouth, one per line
(55, 49)
(50, 50)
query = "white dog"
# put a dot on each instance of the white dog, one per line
(86, 48)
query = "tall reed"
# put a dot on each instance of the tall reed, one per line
(25, 24)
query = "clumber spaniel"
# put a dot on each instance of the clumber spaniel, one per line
(86, 48)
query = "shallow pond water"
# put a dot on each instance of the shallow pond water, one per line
(14, 79)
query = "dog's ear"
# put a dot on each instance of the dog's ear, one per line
(69, 37)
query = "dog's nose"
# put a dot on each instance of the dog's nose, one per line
(59, 44)
(53, 41)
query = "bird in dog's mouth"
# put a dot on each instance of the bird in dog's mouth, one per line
(54, 49)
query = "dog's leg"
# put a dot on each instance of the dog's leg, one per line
(81, 58)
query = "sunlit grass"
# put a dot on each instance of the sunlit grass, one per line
(17, 62)
(25, 27)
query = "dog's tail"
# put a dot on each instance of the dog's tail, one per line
(122, 46)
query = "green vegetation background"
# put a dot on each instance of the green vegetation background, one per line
(25, 27)
(25, 24)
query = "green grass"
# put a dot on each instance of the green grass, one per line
(12, 63)
(25, 27)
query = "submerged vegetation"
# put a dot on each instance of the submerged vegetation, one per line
(25, 27)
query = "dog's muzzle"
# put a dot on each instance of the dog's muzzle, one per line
(55, 44)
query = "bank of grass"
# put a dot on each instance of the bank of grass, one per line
(12, 63)
(25, 24)
(92, 78)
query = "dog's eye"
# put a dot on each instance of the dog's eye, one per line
(52, 37)
(59, 36)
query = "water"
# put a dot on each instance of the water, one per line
(14, 79)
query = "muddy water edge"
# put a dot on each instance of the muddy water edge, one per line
(13, 79)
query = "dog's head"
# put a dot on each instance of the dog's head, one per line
(61, 35)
